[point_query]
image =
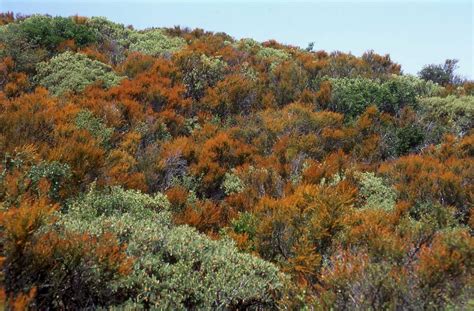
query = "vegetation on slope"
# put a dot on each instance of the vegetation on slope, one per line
(184, 169)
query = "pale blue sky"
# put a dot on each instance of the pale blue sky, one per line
(415, 32)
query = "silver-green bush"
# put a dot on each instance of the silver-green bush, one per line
(73, 72)
(176, 267)
(155, 42)
(374, 193)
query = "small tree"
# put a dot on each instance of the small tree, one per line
(441, 74)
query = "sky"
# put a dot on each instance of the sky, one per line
(413, 32)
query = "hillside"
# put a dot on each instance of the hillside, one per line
(184, 169)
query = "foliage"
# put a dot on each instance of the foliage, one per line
(49, 32)
(18, 48)
(287, 81)
(374, 193)
(200, 72)
(30, 40)
(441, 74)
(353, 96)
(113, 37)
(235, 94)
(232, 184)
(425, 178)
(56, 173)
(216, 275)
(64, 269)
(86, 120)
(73, 72)
(275, 56)
(454, 113)
(401, 91)
(184, 169)
(298, 230)
(108, 30)
(246, 223)
(154, 42)
(409, 138)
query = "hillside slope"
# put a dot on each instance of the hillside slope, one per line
(184, 169)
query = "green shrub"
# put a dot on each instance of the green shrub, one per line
(374, 193)
(55, 172)
(245, 223)
(401, 91)
(232, 184)
(431, 217)
(85, 119)
(201, 72)
(247, 45)
(275, 56)
(108, 30)
(112, 37)
(155, 42)
(409, 138)
(49, 32)
(442, 74)
(262, 53)
(352, 96)
(73, 72)
(454, 114)
(175, 267)
(31, 40)
(15, 45)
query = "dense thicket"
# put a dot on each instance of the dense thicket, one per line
(184, 169)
